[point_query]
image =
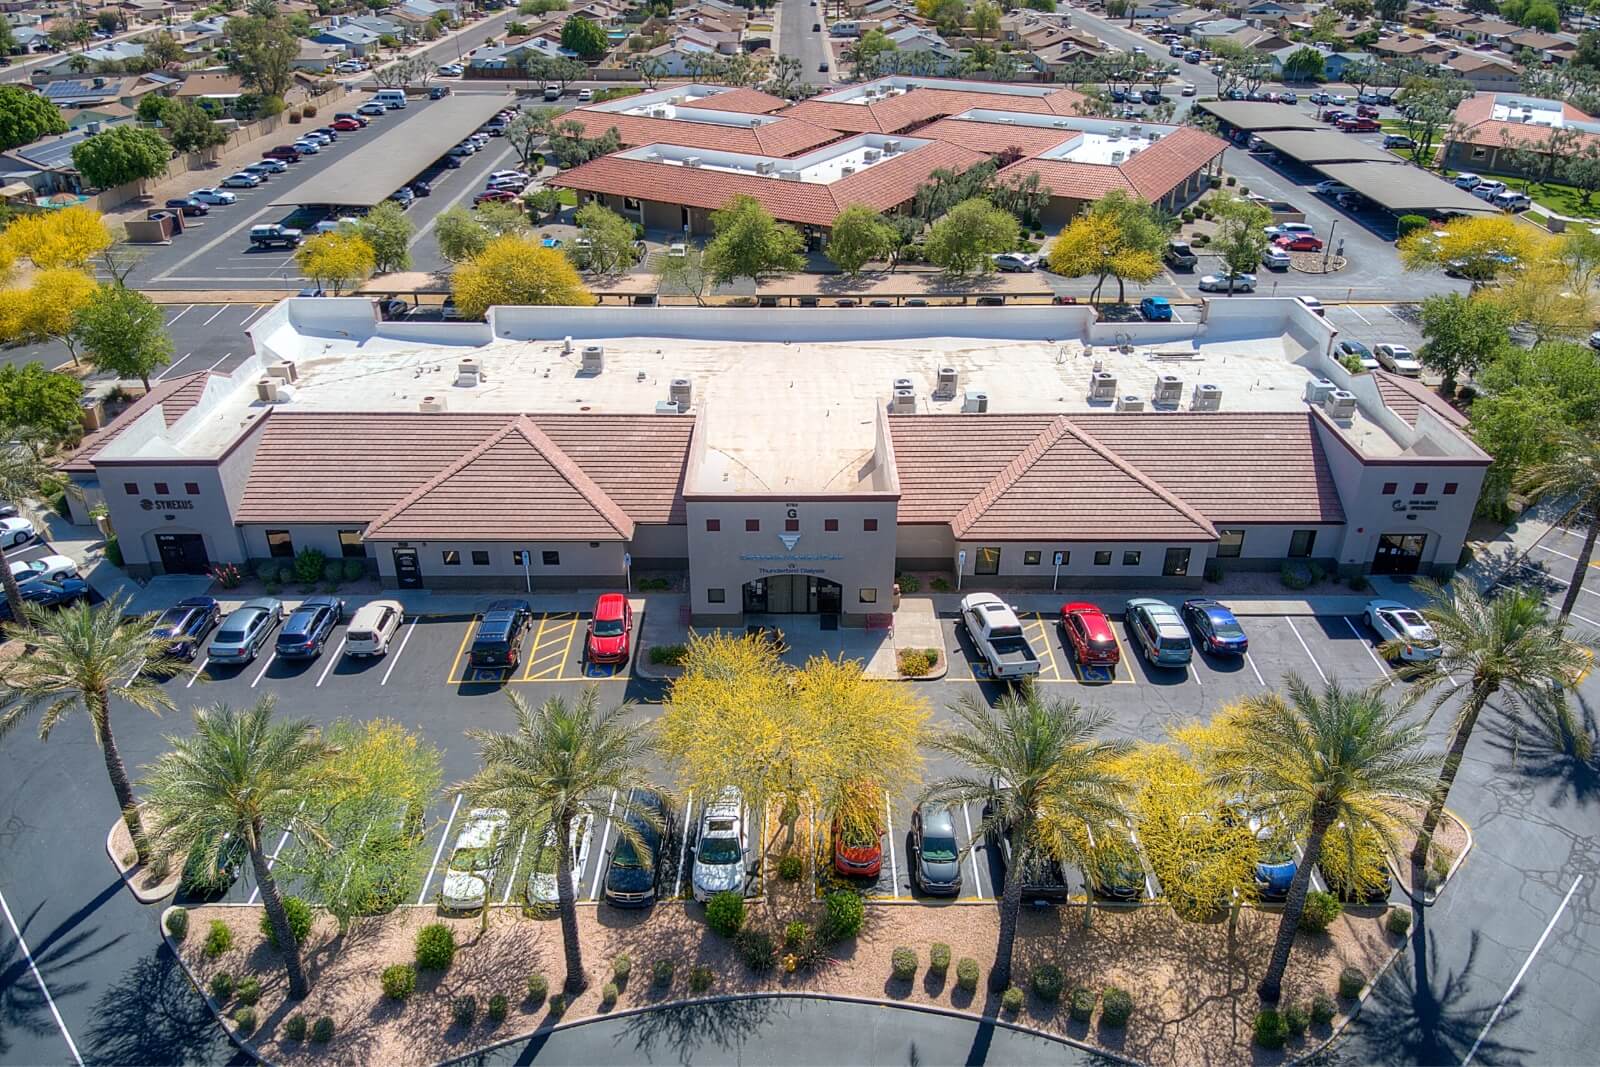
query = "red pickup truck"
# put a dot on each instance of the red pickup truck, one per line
(1359, 125)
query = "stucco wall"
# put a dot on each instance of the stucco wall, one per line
(582, 563)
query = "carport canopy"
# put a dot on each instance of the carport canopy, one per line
(1404, 189)
(378, 167)
(1322, 146)
(1256, 115)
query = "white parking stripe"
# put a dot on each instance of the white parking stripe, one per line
(216, 313)
(396, 657)
(894, 866)
(331, 661)
(263, 670)
(515, 863)
(1257, 673)
(246, 320)
(1358, 314)
(1193, 673)
(972, 853)
(1585, 618)
(605, 838)
(218, 363)
(1348, 621)
(170, 367)
(1307, 647)
(136, 671)
(683, 853)
(197, 671)
(37, 977)
(180, 315)
(1500, 1007)
(444, 837)
(284, 840)
(1563, 583)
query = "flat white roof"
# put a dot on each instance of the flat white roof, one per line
(678, 94)
(822, 166)
(898, 85)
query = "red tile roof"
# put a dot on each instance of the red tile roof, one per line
(183, 391)
(1151, 174)
(785, 137)
(1475, 125)
(749, 101)
(1405, 396)
(996, 137)
(183, 399)
(895, 114)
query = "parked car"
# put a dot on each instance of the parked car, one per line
(1393, 621)
(1285, 97)
(1330, 188)
(1088, 634)
(508, 175)
(1214, 627)
(1275, 258)
(323, 135)
(1313, 305)
(50, 594)
(213, 197)
(267, 166)
(633, 877)
(1014, 261)
(242, 180)
(936, 857)
(1181, 255)
(1222, 283)
(212, 867)
(1155, 309)
(403, 196)
(1318, 97)
(677, 250)
(858, 846)
(1468, 180)
(1043, 878)
(16, 531)
(1299, 242)
(610, 630)
(1337, 100)
(349, 125)
(187, 205)
(1398, 358)
(371, 108)
(1289, 229)
(822, 68)
(1398, 140)
(245, 631)
(49, 569)
(1187, 90)
(498, 642)
(719, 864)
(475, 860)
(306, 146)
(585, 95)
(438, 92)
(996, 632)
(1365, 112)
(373, 627)
(273, 235)
(1347, 348)
(1159, 631)
(1488, 190)
(186, 624)
(350, 116)
(542, 887)
(494, 196)
(1511, 200)
(305, 633)
(451, 70)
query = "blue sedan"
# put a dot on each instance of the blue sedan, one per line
(186, 624)
(1214, 627)
(308, 627)
(48, 593)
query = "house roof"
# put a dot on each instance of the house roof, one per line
(1406, 396)
(1151, 174)
(785, 137)
(747, 101)
(1475, 124)
(217, 84)
(895, 114)
(182, 392)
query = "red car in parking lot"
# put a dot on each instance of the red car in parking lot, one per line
(857, 848)
(1088, 633)
(609, 630)
(494, 196)
(346, 125)
(1367, 111)
(287, 153)
(1359, 125)
(1299, 242)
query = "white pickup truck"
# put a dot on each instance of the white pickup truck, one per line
(997, 632)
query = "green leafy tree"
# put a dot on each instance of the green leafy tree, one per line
(946, 188)
(963, 240)
(124, 333)
(1320, 763)
(564, 763)
(610, 240)
(192, 129)
(1428, 106)
(1390, 10)
(459, 234)
(984, 18)
(1241, 234)
(1461, 334)
(21, 476)
(25, 116)
(88, 658)
(583, 36)
(1031, 764)
(749, 242)
(262, 52)
(8, 40)
(238, 776)
(121, 155)
(686, 274)
(388, 230)
(39, 408)
(528, 131)
(153, 107)
(1572, 473)
(858, 236)
(1303, 65)
(162, 49)
(1528, 400)
(868, 52)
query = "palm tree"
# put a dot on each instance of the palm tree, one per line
(1317, 761)
(562, 763)
(237, 775)
(1507, 646)
(22, 475)
(1030, 760)
(84, 657)
(1573, 474)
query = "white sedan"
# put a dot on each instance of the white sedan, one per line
(1399, 359)
(1219, 283)
(16, 531)
(243, 180)
(1019, 262)
(475, 860)
(213, 196)
(49, 568)
(542, 867)
(1394, 621)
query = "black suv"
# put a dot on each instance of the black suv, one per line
(632, 880)
(498, 642)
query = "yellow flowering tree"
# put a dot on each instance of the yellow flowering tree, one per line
(1118, 237)
(70, 237)
(1480, 248)
(516, 269)
(335, 260)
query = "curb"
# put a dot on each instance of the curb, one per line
(244, 1043)
(126, 873)
(1428, 896)
(1350, 1017)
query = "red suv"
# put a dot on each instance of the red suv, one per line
(857, 848)
(610, 629)
(1359, 125)
(1088, 631)
(1367, 112)
(285, 152)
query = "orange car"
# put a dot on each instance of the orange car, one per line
(857, 848)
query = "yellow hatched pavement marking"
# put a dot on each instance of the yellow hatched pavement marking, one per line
(558, 626)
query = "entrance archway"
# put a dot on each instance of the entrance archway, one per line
(793, 594)
(1399, 553)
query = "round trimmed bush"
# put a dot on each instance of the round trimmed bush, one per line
(967, 973)
(1351, 982)
(1406, 225)
(846, 913)
(399, 981)
(499, 1004)
(248, 991)
(1323, 1009)
(1011, 1000)
(178, 923)
(621, 967)
(295, 1028)
(791, 867)
(795, 934)
(1115, 1007)
(322, 1030)
(609, 994)
(1296, 1017)
(661, 977)
(1081, 1005)
(1047, 982)
(700, 978)
(1398, 921)
(222, 986)
(299, 913)
(1321, 909)
(557, 1006)
(903, 961)
(939, 958)
(436, 947)
(538, 988)
(219, 939)
(245, 1020)
(464, 1010)
(725, 913)
(1271, 1032)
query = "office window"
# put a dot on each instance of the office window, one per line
(480, 558)
(452, 557)
(1030, 559)
(192, 488)
(1301, 542)
(987, 562)
(1176, 565)
(1449, 488)
(752, 526)
(716, 596)
(1102, 558)
(1419, 489)
(1479, 152)
(131, 488)
(1230, 544)
(869, 595)
(830, 525)
(1391, 488)
(869, 525)
(350, 546)
(630, 203)
(551, 559)
(713, 525)
(1130, 557)
(279, 544)
(519, 556)
(791, 525)
(161, 489)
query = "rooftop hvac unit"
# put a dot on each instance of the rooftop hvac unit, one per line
(1102, 386)
(789, 175)
(902, 383)
(891, 146)
(1116, 132)
(948, 382)
(431, 404)
(1207, 397)
(285, 370)
(267, 391)
(904, 402)
(594, 359)
(755, 124)
(872, 155)
(1168, 392)
(1118, 156)
(681, 392)
(1130, 402)
(1062, 124)
(975, 402)
(845, 172)
(1340, 405)
(1317, 390)
(1135, 130)
(467, 372)
(666, 407)
(1132, 152)
(766, 166)
(1154, 136)
(691, 161)
(653, 157)
(658, 112)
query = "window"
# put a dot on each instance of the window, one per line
(131, 488)
(630, 203)
(519, 557)
(869, 525)
(551, 559)
(1479, 152)
(1449, 488)
(1130, 557)
(1419, 489)
(752, 526)
(452, 558)
(716, 596)
(350, 546)
(713, 525)
(161, 489)
(1176, 565)
(1230, 544)
(1102, 558)
(830, 525)
(1030, 559)
(988, 561)
(480, 558)
(1301, 543)
(279, 544)
(791, 525)
(869, 595)
(1391, 488)
(192, 488)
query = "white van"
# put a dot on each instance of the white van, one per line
(390, 98)
(373, 627)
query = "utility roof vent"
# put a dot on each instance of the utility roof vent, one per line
(872, 155)
(789, 175)
(594, 359)
(975, 402)
(1118, 156)
(268, 390)
(431, 404)
(1130, 402)
(766, 166)
(658, 112)
(904, 402)
(285, 370)
(1135, 130)
(891, 146)
(1116, 132)
(1206, 397)
(654, 157)
(1317, 390)
(681, 392)
(1062, 124)
(845, 172)
(666, 407)
(1154, 136)
(468, 371)
(1340, 406)
(691, 161)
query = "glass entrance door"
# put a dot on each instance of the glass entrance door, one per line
(793, 594)
(1399, 553)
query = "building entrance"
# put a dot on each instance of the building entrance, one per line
(1399, 553)
(183, 553)
(793, 594)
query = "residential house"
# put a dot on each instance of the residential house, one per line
(1540, 44)
(1216, 29)
(1256, 39)
(682, 57)
(316, 57)
(102, 114)
(73, 92)
(1440, 20)
(923, 51)
(219, 87)
(110, 52)
(514, 56)
(31, 38)
(1411, 48)
(1486, 72)
(1491, 126)
(1491, 30)
(353, 40)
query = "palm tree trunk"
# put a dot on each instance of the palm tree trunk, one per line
(1580, 569)
(13, 594)
(1010, 908)
(1271, 987)
(1441, 788)
(278, 917)
(567, 907)
(100, 711)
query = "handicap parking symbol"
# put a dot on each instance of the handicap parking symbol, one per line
(1097, 673)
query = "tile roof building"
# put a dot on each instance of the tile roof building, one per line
(1490, 127)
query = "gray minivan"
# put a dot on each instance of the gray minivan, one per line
(1159, 631)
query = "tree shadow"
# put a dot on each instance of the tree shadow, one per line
(687, 1028)
(1544, 753)
(24, 1008)
(153, 1015)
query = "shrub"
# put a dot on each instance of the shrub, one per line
(222, 986)
(1439, 861)
(219, 939)
(436, 947)
(1358, 583)
(354, 570)
(178, 923)
(1398, 921)
(757, 949)
(248, 991)
(916, 662)
(903, 962)
(294, 118)
(1271, 1030)
(725, 913)
(1047, 982)
(308, 565)
(1323, 1009)
(1321, 909)
(846, 912)
(538, 988)
(227, 575)
(609, 994)
(299, 913)
(1317, 572)
(1295, 576)
(667, 655)
(557, 1006)
(322, 1030)
(1200, 240)
(295, 1028)
(245, 1020)
(267, 573)
(310, 111)
(967, 973)
(1115, 1007)
(499, 1004)
(1406, 225)
(1231, 181)
(1081, 1005)
(1011, 1000)
(661, 975)
(791, 867)
(700, 978)
(621, 967)
(464, 1010)
(1296, 1017)
(1351, 982)
(654, 585)
(908, 583)
(939, 958)
(399, 981)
